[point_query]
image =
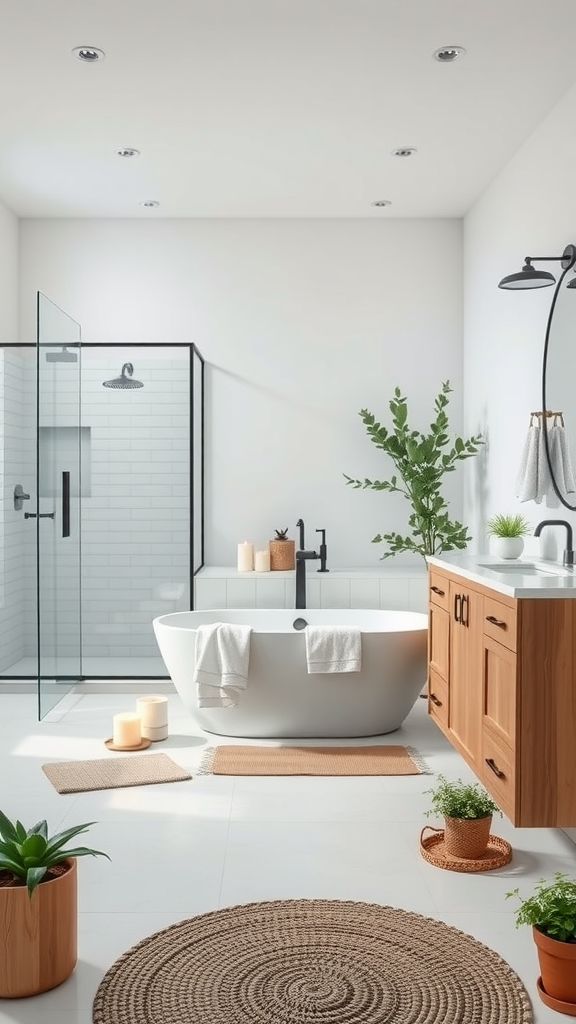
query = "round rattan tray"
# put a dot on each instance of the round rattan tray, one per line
(433, 849)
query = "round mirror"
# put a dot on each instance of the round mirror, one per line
(558, 398)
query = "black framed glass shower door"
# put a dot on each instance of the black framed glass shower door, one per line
(57, 513)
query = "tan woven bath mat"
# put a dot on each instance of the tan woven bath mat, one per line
(311, 962)
(374, 760)
(113, 772)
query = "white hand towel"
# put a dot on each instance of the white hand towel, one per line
(527, 479)
(561, 461)
(333, 649)
(222, 660)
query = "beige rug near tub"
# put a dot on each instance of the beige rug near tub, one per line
(113, 773)
(382, 759)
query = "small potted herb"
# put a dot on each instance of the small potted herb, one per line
(467, 810)
(551, 912)
(507, 532)
(282, 551)
(38, 906)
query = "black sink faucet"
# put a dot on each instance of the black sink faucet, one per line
(568, 557)
(301, 558)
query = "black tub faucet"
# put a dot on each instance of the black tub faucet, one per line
(568, 557)
(302, 556)
(323, 551)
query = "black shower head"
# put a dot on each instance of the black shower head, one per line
(124, 381)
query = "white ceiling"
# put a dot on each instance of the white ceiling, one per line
(271, 108)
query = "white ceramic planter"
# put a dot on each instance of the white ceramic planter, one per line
(507, 547)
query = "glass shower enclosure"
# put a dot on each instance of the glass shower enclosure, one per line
(102, 519)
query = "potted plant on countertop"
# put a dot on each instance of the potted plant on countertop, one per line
(467, 810)
(507, 532)
(421, 461)
(38, 906)
(551, 911)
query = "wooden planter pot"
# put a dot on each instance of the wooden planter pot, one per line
(558, 972)
(38, 935)
(467, 837)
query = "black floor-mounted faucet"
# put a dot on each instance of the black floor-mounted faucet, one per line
(302, 556)
(568, 558)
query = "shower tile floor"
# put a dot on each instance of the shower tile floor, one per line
(187, 848)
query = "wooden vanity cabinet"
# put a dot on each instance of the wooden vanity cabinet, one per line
(502, 688)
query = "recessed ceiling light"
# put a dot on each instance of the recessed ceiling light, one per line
(382, 202)
(447, 54)
(88, 54)
(404, 151)
(127, 151)
(149, 203)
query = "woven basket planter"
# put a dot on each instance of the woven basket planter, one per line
(282, 554)
(467, 837)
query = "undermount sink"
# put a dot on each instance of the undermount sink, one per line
(525, 569)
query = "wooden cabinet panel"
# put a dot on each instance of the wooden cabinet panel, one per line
(499, 691)
(465, 669)
(500, 622)
(438, 589)
(438, 640)
(438, 698)
(498, 774)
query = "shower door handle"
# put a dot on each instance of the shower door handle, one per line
(38, 515)
(66, 503)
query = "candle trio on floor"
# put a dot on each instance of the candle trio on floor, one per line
(135, 730)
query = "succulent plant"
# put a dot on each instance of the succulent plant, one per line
(281, 534)
(27, 854)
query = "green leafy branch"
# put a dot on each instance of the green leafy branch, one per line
(421, 461)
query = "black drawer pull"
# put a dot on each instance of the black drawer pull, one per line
(458, 607)
(437, 591)
(495, 621)
(494, 768)
(435, 700)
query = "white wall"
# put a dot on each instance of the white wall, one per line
(529, 209)
(302, 324)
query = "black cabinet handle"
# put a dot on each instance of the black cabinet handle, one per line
(65, 503)
(458, 607)
(494, 767)
(465, 606)
(437, 591)
(495, 621)
(435, 700)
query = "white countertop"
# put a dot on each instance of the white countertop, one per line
(506, 575)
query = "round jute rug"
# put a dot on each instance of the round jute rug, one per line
(311, 962)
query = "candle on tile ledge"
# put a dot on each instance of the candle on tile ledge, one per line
(153, 713)
(126, 729)
(262, 561)
(245, 557)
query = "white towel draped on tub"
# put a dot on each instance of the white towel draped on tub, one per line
(222, 659)
(333, 649)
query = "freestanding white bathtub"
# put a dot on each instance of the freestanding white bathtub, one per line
(281, 698)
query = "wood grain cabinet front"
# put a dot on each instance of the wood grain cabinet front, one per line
(500, 687)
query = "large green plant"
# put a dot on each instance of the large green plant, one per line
(421, 461)
(27, 854)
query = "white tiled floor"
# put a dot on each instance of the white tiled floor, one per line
(183, 849)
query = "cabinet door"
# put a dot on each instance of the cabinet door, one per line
(499, 692)
(438, 640)
(465, 703)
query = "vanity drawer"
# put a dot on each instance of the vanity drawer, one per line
(438, 698)
(500, 622)
(499, 774)
(438, 589)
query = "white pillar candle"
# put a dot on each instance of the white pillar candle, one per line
(153, 713)
(262, 561)
(126, 730)
(245, 557)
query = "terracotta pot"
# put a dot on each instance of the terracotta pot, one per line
(38, 935)
(557, 967)
(467, 837)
